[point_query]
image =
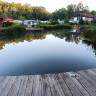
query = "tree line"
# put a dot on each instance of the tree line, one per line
(21, 12)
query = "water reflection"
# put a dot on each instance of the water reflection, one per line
(46, 52)
(69, 37)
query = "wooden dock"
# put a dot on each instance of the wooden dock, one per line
(34, 29)
(81, 83)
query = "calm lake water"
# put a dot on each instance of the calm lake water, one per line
(45, 52)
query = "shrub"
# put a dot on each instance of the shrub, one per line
(57, 26)
(73, 23)
(86, 22)
(84, 28)
(81, 22)
(7, 24)
(89, 32)
(54, 22)
(47, 27)
(13, 30)
(63, 26)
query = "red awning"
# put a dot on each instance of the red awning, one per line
(9, 19)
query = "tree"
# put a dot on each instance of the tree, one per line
(66, 20)
(93, 12)
(15, 10)
(59, 14)
(4, 16)
(21, 18)
(81, 22)
(70, 10)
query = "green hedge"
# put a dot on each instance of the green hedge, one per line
(7, 24)
(54, 22)
(89, 32)
(12, 30)
(57, 26)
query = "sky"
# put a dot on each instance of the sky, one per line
(52, 5)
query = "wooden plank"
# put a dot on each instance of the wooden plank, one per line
(28, 91)
(73, 88)
(88, 86)
(46, 90)
(2, 78)
(91, 74)
(34, 29)
(15, 87)
(3, 83)
(87, 77)
(8, 86)
(55, 87)
(79, 86)
(92, 71)
(36, 88)
(22, 87)
(58, 85)
(63, 85)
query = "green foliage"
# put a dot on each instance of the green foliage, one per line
(57, 26)
(73, 23)
(7, 24)
(4, 16)
(21, 18)
(59, 14)
(13, 30)
(71, 10)
(93, 12)
(84, 28)
(89, 32)
(86, 22)
(15, 10)
(66, 20)
(54, 22)
(81, 22)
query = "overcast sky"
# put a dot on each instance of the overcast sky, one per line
(52, 5)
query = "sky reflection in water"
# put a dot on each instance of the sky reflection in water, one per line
(45, 52)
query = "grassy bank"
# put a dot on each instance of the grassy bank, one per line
(89, 32)
(57, 26)
(12, 30)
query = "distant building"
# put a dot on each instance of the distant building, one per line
(95, 18)
(61, 22)
(18, 21)
(30, 23)
(45, 21)
(84, 16)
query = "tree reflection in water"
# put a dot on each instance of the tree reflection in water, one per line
(62, 34)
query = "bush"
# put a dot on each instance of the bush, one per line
(7, 24)
(73, 23)
(54, 22)
(57, 26)
(84, 28)
(13, 30)
(63, 26)
(81, 22)
(86, 22)
(89, 32)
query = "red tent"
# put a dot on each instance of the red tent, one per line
(9, 19)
